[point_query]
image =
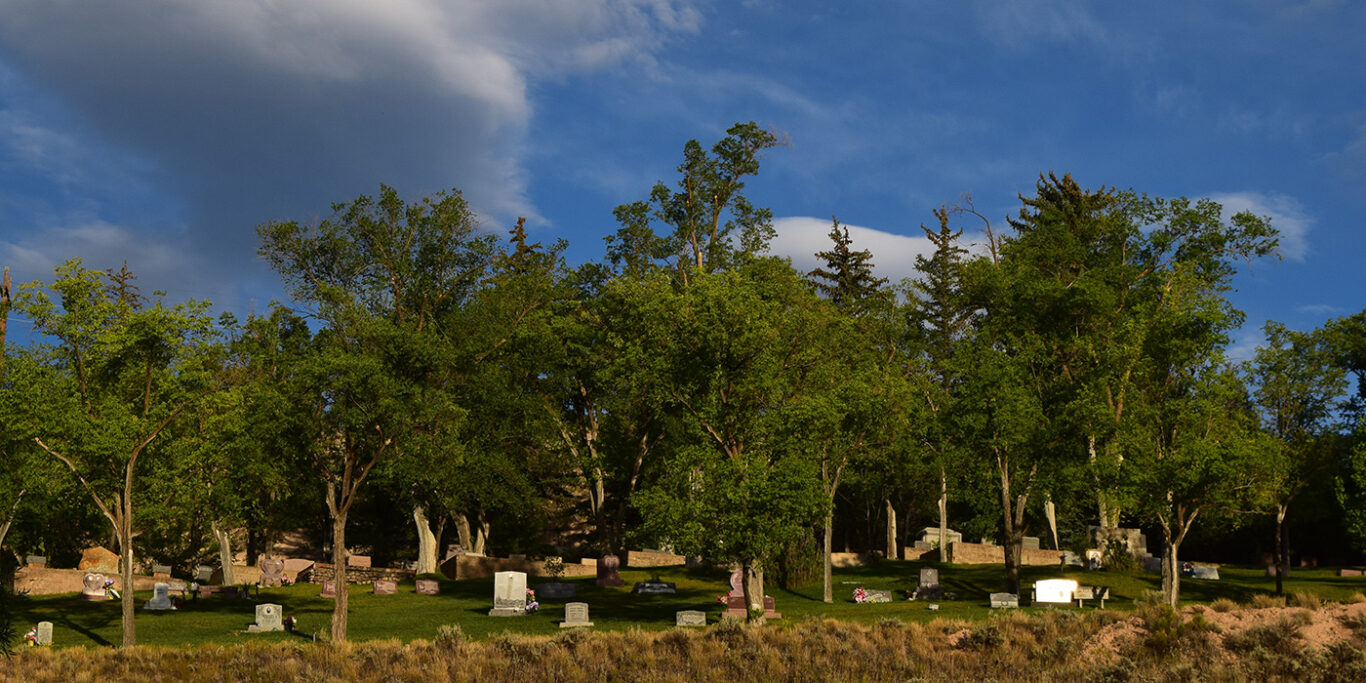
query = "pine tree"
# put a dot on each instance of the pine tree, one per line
(847, 278)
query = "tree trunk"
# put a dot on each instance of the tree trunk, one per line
(828, 594)
(253, 546)
(944, 517)
(130, 635)
(1282, 559)
(13, 510)
(1171, 570)
(224, 554)
(339, 606)
(754, 591)
(892, 550)
(426, 542)
(482, 537)
(462, 531)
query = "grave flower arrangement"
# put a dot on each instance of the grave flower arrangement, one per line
(531, 604)
(286, 581)
(32, 636)
(109, 589)
(860, 595)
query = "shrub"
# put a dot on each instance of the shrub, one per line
(1264, 601)
(1279, 637)
(449, 637)
(1223, 605)
(1306, 600)
(1118, 558)
(1357, 598)
(983, 637)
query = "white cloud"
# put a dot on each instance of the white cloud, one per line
(1287, 215)
(800, 237)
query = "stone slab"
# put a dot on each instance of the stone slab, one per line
(101, 560)
(1004, 600)
(428, 587)
(384, 587)
(690, 617)
(269, 617)
(876, 595)
(1200, 571)
(44, 635)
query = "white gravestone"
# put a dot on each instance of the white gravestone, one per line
(509, 594)
(1004, 600)
(268, 618)
(575, 614)
(44, 633)
(1055, 591)
(690, 617)
(1203, 572)
(161, 599)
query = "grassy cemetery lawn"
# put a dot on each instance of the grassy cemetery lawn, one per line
(408, 616)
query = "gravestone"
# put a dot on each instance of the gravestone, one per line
(203, 573)
(99, 560)
(268, 618)
(161, 570)
(653, 587)
(272, 571)
(1203, 572)
(329, 590)
(575, 614)
(428, 587)
(737, 584)
(690, 617)
(93, 587)
(35, 560)
(609, 571)
(556, 590)
(1004, 600)
(877, 595)
(929, 588)
(384, 587)
(1054, 591)
(358, 560)
(1029, 543)
(735, 607)
(44, 636)
(1152, 564)
(1349, 572)
(161, 599)
(509, 594)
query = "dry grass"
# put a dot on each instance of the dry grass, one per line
(1011, 646)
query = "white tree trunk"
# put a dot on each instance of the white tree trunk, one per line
(426, 542)
(892, 549)
(224, 554)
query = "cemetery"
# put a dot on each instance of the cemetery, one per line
(489, 453)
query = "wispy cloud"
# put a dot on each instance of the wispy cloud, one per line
(1023, 22)
(1286, 213)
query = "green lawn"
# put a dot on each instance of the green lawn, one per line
(408, 616)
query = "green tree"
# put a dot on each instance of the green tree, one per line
(385, 277)
(709, 220)
(1296, 389)
(115, 375)
(737, 352)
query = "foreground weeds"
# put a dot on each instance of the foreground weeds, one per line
(1054, 645)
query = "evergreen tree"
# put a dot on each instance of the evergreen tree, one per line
(847, 278)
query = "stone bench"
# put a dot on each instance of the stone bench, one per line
(1084, 593)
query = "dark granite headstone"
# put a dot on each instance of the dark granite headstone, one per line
(609, 573)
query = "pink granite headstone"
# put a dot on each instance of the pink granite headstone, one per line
(271, 571)
(94, 587)
(428, 587)
(384, 587)
(358, 560)
(329, 590)
(608, 574)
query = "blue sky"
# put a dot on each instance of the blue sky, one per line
(164, 131)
